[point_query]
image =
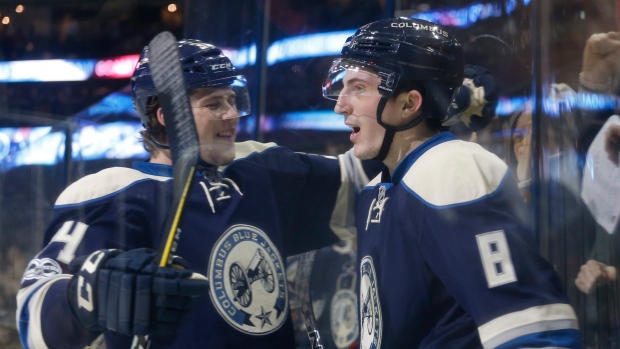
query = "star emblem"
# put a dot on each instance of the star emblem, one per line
(264, 317)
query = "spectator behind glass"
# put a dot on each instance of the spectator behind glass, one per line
(566, 228)
(599, 74)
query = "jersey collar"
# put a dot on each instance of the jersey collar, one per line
(153, 169)
(166, 170)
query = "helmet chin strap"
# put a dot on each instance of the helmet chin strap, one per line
(390, 130)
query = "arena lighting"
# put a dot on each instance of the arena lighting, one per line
(6, 20)
(19, 8)
(462, 17)
(313, 45)
(116, 68)
(318, 120)
(241, 57)
(29, 146)
(67, 69)
(46, 70)
(466, 16)
(172, 8)
(117, 140)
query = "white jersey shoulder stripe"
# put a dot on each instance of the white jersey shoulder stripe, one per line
(244, 149)
(455, 172)
(532, 320)
(102, 183)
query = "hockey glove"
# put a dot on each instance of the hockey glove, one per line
(129, 293)
(476, 101)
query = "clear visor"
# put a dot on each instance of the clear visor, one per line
(348, 77)
(224, 99)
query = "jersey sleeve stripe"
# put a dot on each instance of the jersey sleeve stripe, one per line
(103, 184)
(532, 320)
(29, 305)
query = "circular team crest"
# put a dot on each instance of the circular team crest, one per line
(343, 319)
(370, 307)
(248, 285)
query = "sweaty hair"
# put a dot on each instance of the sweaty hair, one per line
(431, 123)
(154, 131)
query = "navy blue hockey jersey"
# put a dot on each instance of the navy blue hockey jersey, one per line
(446, 260)
(239, 225)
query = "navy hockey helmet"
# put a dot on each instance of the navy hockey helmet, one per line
(401, 50)
(204, 65)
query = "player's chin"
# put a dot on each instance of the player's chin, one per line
(362, 153)
(222, 155)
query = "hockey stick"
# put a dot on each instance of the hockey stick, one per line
(302, 285)
(167, 75)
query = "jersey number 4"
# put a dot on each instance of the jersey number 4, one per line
(496, 260)
(71, 234)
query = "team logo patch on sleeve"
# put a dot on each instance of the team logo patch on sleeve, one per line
(248, 283)
(42, 268)
(370, 307)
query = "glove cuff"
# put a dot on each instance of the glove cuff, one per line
(82, 289)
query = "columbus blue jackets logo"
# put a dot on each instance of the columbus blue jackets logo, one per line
(370, 307)
(248, 281)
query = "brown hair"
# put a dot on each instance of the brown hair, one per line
(153, 131)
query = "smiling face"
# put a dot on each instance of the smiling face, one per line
(216, 118)
(357, 102)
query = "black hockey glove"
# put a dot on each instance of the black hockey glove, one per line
(129, 293)
(476, 101)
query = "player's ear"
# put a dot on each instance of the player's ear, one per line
(160, 116)
(413, 104)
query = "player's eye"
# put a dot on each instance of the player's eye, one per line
(358, 89)
(212, 105)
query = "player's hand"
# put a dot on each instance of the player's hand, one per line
(612, 143)
(601, 57)
(129, 293)
(592, 274)
(476, 101)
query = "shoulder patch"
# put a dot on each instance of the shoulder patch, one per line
(41, 268)
(455, 172)
(103, 183)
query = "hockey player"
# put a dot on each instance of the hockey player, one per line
(251, 206)
(445, 256)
